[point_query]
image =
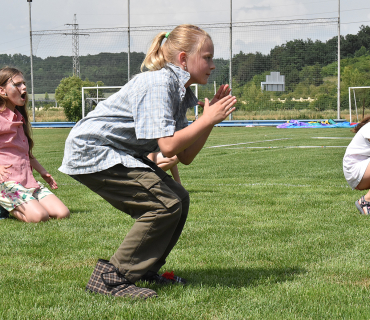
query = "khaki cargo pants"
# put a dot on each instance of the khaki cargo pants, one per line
(158, 204)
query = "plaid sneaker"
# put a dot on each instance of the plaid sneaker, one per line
(106, 279)
(165, 278)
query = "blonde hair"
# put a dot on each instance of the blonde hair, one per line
(6, 74)
(184, 38)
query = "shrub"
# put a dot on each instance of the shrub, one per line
(68, 95)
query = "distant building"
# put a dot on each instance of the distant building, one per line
(274, 82)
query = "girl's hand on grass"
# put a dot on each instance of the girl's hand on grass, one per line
(4, 174)
(222, 92)
(219, 110)
(49, 179)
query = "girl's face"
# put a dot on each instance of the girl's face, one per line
(200, 64)
(16, 91)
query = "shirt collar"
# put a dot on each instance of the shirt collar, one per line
(182, 75)
(10, 115)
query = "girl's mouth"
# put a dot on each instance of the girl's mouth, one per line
(24, 95)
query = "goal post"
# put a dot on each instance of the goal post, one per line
(196, 92)
(195, 85)
(354, 98)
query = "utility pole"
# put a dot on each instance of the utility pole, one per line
(231, 51)
(75, 47)
(128, 41)
(31, 54)
(338, 87)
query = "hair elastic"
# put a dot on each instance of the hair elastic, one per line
(167, 34)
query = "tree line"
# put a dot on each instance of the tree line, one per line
(306, 64)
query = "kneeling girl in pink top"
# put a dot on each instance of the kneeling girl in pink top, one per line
(24, 197)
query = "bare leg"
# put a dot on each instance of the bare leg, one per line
(175, 174)
(55, 207)
(365, 185)
(37, 211)
(32, 211)
(365, 181)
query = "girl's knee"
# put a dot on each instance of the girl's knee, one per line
(59, 212)
(37, 216)
(62, 214)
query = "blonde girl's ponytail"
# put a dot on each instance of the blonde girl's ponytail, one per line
(184, 38)
(154, 59)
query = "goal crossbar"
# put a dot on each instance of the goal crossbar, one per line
(119, 87)
(97, 88)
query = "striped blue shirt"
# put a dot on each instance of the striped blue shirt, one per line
(126, 126)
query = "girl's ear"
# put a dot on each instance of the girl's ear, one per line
(2, 91)
(182, 59)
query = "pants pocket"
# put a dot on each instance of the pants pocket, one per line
(151, 182)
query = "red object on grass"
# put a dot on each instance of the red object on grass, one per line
(169, 275)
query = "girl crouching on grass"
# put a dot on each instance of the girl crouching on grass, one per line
(356, 164)
(107, 151)
(166, 164)
(24, 197)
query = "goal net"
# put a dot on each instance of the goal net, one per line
(301, 53)
(91, 96)
(360, 97)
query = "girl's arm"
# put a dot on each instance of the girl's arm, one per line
(169, 164)
(44, 174)
(187, 143)
(166, 164)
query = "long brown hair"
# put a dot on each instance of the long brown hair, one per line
(361, 124)
(185, 37)
(6, 74)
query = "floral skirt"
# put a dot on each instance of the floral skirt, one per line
(13, 194)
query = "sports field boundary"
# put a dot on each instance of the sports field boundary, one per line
(226, 123)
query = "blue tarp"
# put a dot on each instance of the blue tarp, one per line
(318, 124)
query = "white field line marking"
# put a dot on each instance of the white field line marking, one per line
(331, 137)
(271, 185)
(290, 147)
(237, 144)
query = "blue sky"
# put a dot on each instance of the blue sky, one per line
(52, 15)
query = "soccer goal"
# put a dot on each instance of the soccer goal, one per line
(353, 89)
(195, 86)
(92, 95)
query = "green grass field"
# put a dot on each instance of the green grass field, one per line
(272, 233)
